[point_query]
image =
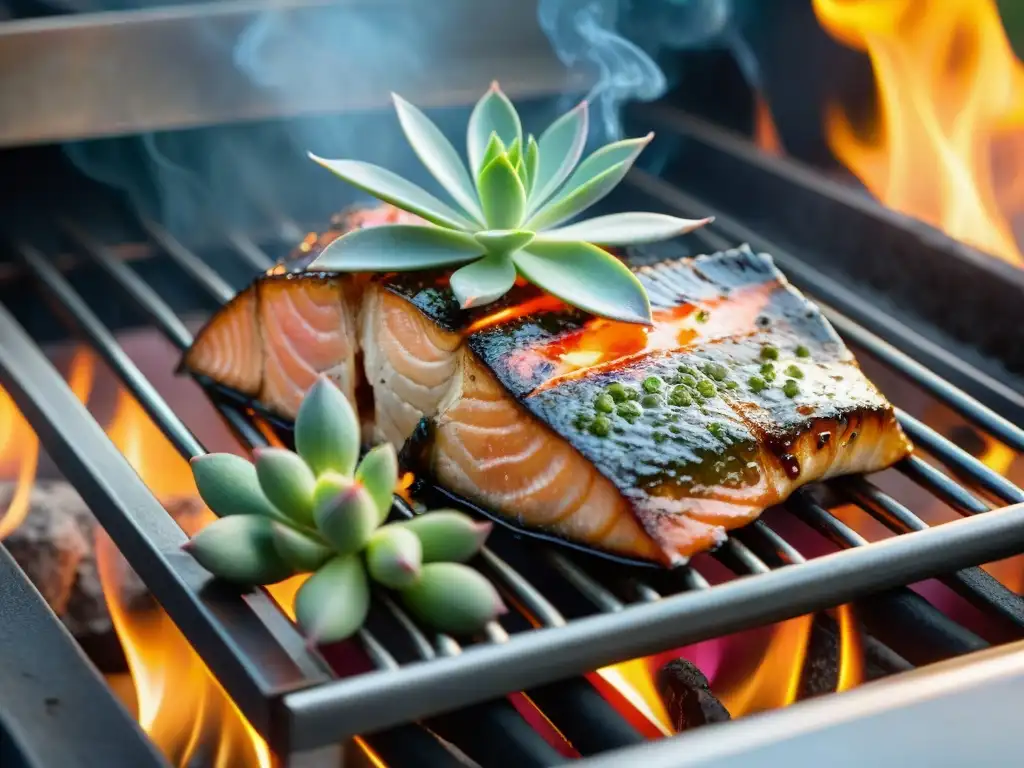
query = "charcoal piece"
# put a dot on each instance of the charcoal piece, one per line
(50, 545)
(820, 672)
(688, 697)
(55, 546)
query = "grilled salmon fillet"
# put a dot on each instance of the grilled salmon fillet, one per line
(275, 338)
(648, 443)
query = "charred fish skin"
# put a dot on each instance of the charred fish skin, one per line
(700, 438)
(653, 447)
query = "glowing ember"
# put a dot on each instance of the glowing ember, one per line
(608, 343)
(543, 303)
(404, 484)
(851, 650)
(950, 97)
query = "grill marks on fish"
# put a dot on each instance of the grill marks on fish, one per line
(510, 394)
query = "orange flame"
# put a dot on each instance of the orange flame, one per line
(851, 650)
(950, 97)
(179, 703)
(18, 443)
(775, 682)
(632, 680)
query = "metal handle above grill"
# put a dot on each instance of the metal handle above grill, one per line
(100, 74)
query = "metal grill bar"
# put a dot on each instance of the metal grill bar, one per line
(250, 647)
(375, 699)
(854, 235)
(499, 728)
(575, 720)
(826, 289)
(512, 739)
(103, 342)
(883, 724)
(56, 708)
(960, 462)
(447, 679)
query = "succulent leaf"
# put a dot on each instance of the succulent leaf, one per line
(600, 161)
(624, 229)
(504, 240)
(524, 177)
(502, 194)
(397, 248)
(560, 148)
(483, 281)
(581, 198)
(515, 153)
(438, 155)
(240, 549)
(448, 536)
(453, 598)
(494, 113)
(586, 277)
(392, 188)
(228, 484)
(299, 550)
(531, 162)
(347, 518)
(494, 148)
(327, 429)
(332, 604)
(287, 481)
(378, 472)
(394, 557)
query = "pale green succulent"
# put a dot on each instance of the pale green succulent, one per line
(322, 510)
(508, 211)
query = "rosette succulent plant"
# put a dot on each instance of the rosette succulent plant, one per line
(508, 213)
(320, 511)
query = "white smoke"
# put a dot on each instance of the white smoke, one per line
(621, 40)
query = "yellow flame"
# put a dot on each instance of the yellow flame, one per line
(775, 682)
(179, 703)
(950, 98)
(371, 757)
(633, 680)
(851, 650)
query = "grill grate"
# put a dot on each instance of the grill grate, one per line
(286, 690)
(45, 686)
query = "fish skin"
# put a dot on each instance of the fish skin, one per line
(689, 474)
(505, 407)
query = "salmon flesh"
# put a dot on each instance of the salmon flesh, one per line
(646, 443)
